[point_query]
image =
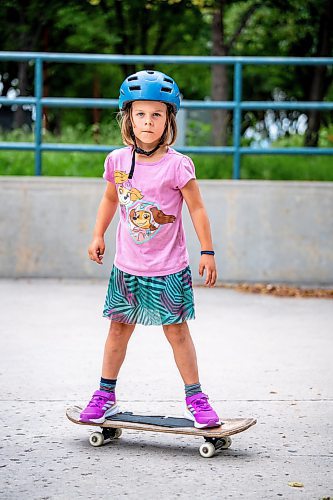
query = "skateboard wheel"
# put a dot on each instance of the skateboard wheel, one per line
(207, 450)
(223, 443)
(96, 439)
(118, 433)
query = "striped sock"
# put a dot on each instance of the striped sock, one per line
(107, 385)
(192, 389)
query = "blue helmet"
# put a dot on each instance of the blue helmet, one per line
(149, 85)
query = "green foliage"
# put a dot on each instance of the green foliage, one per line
(198, 133)
(266, 167)
(283, 167)
(184, 27)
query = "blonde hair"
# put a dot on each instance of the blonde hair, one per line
(126, 129)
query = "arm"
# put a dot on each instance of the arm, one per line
(194, 202)
(105, 213)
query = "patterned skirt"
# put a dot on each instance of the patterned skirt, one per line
(157, 300)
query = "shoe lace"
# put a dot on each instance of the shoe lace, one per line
(97, 401)
(202, 404)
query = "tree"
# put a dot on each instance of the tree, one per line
(288, 28)
(320, 77)
(25, 25)
(102, 26)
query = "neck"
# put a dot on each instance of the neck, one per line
(145, 149)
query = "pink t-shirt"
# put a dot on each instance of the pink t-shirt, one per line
(150, 234)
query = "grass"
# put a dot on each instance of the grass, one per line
(261, 167)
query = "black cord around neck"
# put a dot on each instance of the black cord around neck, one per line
(141, 151)
(147, 153)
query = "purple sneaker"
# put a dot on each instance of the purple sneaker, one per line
(199, 410)
(101, 405)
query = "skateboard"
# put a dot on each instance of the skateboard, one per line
(216, 438)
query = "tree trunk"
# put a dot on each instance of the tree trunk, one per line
(320, 80)
(220, 89)
(46, 47)
(23, 43)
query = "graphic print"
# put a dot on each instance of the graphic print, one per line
(144, 218)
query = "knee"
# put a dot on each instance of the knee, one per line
(175, 334)
(119, 331)
(116, 329)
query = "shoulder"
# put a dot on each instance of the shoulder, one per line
(118, 154)
(179, 158)
(112, 162)
(183, 167)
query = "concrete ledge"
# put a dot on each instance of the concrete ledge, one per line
(263, 231)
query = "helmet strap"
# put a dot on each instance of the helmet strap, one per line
(141, 151)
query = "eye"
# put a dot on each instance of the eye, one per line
(157, 114)
(146, 216)
(139, 114)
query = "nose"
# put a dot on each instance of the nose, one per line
(148, 120)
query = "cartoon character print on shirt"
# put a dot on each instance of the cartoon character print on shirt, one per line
(127, 195)
(144, 218)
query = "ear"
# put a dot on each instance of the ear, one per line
(131, 214)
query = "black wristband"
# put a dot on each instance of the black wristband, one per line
(207, 252)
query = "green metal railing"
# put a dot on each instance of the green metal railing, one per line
(237, 105)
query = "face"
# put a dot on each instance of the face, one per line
(141, 218)
(124, 195)
(148, 121)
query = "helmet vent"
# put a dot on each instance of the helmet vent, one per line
(136, 87)
(168, 80)
(131, 78)
(151, 72)
(165, 89)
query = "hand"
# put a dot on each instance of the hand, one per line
(96, 249)
(207, 262)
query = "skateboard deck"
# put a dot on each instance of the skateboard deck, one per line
(216, 438)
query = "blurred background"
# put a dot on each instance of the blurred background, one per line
(298, 28)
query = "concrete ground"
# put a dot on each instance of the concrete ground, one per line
(259, 356)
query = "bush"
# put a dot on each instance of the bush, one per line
(267, 167)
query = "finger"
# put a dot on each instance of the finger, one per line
(201, 269)
(208, 277)
(96, 256)
(214, 277)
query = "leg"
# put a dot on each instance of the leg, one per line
(103, 403)
(184, 353)
(197, 407)
(115, 348)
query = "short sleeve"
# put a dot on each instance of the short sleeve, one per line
(109, 169)
(185, 172)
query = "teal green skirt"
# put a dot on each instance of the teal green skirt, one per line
(156, 300)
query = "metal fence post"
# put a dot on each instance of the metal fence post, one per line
(38, 117)
(237, 119)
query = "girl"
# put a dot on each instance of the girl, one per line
(151, 280)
